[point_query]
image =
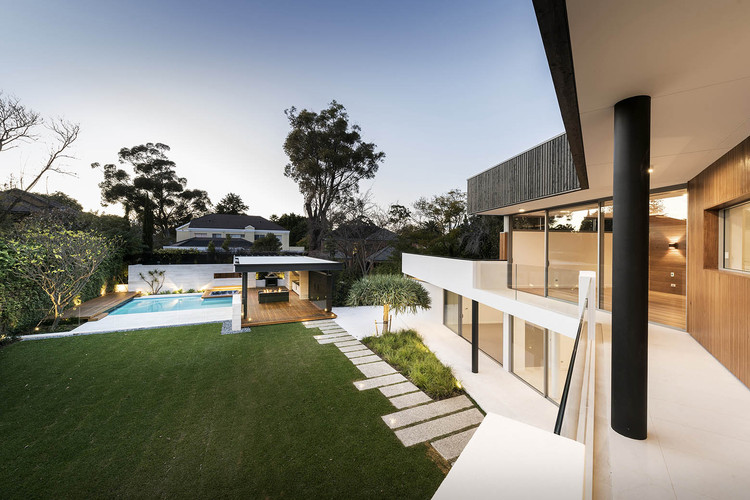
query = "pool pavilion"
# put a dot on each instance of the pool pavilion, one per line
(308, 294)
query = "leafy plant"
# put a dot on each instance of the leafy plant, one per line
(392, 291)
(154, 279)
(406, 352)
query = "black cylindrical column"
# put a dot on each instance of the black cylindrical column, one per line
(244, 295)
(474, 336)
(630, 266)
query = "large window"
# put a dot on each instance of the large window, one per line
(457, 314)
(572, 247)
(528, 353)
(529, 252)
(737, 238)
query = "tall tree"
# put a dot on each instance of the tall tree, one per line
(155, 188)
(327, 159)
(296, 224)
(231, 204)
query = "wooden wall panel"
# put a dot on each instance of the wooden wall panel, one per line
(718, 300)
(667, 266)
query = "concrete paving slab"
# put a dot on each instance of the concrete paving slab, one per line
(432, 410)
(331, 336)
(407, 400)
(451, 447)
(439, 427)
(376, 369)
(332, 330)
(366, 359)
(358, 354)
(348, 343)
(372, 383)
(352, 348)
(337, 340)
(395, 390)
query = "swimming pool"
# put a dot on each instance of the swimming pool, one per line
(167, 303)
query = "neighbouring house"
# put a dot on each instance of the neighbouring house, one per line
(23, 204)
(243, 231)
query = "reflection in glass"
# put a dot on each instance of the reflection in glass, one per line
(491, 332)
(572, 248)
(737, 238)
(466, 318)
(528, 352)
(528, 252)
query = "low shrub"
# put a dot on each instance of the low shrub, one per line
(406, 352)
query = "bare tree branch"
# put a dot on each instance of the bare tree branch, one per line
(16, 122)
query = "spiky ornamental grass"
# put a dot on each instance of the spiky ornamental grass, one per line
(392, 291)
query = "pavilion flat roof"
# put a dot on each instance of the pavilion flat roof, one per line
(284, 263)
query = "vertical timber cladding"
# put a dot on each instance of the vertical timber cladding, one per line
(542, 171)
(718, 301)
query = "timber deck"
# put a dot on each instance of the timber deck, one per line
(276, 313)
(97, 308)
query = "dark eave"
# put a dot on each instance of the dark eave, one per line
(552, 18)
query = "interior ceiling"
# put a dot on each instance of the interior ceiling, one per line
(690, 56)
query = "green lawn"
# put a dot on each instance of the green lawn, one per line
(186, 412)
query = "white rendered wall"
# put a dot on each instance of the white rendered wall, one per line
(182, 276)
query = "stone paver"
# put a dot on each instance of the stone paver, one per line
(352, 348)
(348, 343)
(439, 427)
(338, 340)
(330, 336)
(365, 359)
(407, 400)
(316, 324)
(452, 446)
(395, 390)
(412, 415)
(333, 330)
(358, 354)
(325, 328)
(376, 369)
(372, 383)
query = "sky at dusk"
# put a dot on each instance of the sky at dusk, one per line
(445, 89)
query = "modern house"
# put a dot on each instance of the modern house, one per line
(648, 193)
(21, 203)
(243, 230)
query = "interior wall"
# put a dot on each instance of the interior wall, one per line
(718, 300)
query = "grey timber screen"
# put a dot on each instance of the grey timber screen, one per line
(542, 171)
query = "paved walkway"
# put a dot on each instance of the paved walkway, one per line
(447, 425)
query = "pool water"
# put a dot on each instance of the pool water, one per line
(164, 304)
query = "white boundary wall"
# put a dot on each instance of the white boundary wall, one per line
(182, 276)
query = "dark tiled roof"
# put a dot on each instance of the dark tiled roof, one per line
(203, 243)
(28, 202)
(231, 221)
(381, 255)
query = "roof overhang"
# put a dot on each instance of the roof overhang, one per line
(688, 55)
(284, 263)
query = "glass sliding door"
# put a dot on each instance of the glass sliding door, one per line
(605, 263)
(559, 351)
(465, 318)
(572, 248)
(452, 311)
(491, 332)
(529, 252)
(529, 345)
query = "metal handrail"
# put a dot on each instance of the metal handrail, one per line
(569, 376)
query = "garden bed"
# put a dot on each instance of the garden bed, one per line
(405, 351)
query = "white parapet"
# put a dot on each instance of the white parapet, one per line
(509, 459)
(236, 312)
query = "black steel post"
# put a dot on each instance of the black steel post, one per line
(244, 295)
(474, 336)
(630, 266)
(329, 291)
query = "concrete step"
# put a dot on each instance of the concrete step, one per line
(376, 369)
(395, 390)
(451, 447)
(374, 382)
(338, 340)
(348, 343)
(373, 358)
(432, 410)
(412, 399)
(331, 336)
(358, 354)
(352, 348)
(432, 429)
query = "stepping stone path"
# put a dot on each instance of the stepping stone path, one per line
(447, 424)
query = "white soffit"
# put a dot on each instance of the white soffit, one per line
(690, 56)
